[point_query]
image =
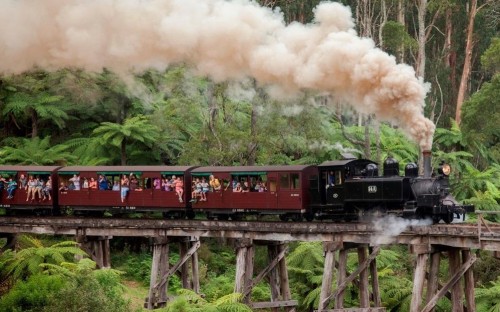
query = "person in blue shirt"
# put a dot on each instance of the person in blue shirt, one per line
(103, 183)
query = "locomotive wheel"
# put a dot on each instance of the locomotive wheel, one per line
(436, 219)
(448, 218)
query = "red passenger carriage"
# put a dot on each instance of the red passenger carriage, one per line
(286, 190)
(20, 199)
(144, 196)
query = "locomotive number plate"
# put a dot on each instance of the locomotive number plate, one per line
(372, 189)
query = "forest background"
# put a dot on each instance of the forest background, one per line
(175, 117)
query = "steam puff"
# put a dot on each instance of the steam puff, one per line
(226, 40)
(387, 228)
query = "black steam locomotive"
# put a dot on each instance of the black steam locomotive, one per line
(351, 188)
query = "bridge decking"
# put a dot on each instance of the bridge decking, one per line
(475, 236)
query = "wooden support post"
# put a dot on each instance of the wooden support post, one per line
(241, 264)
(456, 290)
(418, 282)
(106, 252)
(284, 284)
(453, 280)
(377, 301)
(163, 269)
(195, 271)
(364, 293)
(272, 252)
(433, 279)
(97, 247)
(342, 275)
(156, 267)
(248, 271)
(468, 283)
(329, 249)
(183, 247)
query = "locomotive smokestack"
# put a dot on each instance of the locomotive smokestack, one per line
(427, 164)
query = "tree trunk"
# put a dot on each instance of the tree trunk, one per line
(467, 61)
(401, 19)
(450, 55)
(421, 58)
(34, 124)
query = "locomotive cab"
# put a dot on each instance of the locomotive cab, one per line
(332, 176)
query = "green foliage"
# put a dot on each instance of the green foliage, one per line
(488, 298)
(33, 294)
(188, 301)
(491, 57)
(35, 151)
(28, 261)
(480, 115)
(396, 37)
(134, 129)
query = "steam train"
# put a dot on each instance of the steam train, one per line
(346, 190)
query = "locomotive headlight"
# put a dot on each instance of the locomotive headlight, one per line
(446, 169)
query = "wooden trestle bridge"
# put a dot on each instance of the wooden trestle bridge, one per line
(428, 243)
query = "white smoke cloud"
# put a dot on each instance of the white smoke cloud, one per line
(387, 228)
(222, 39)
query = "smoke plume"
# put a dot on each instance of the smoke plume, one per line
(387, 228)
(222, 39)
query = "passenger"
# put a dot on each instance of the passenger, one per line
(237, 188)
(124, 187)
(157, 184)
(179, 188)
(258, 186)
(205, 188)
(63, 188)
(47, 189)
(39, 187)
(245, 188)
(85, 183)
(2, 183)
(166, 185)
(103, 183)
(134, 182)
(197, 190)
(214, 183)
(11, 187)
(262, 187)
(116, 186)
(92, 184)
(76, 182)
(31, 186)
(233, 185)
(23, 181)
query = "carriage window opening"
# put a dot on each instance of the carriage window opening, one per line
(284, 181)
(147, 183)
(294, 177)
(272, 185)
